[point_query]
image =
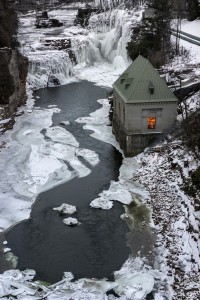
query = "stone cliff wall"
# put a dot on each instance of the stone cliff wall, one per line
(13, 72)
(13, 69)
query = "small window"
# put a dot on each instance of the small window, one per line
(151, 122)
(151, 88)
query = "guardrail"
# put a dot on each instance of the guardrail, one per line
(187, 37)
(34, 7)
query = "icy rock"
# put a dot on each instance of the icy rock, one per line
(70, 221)
(64, 123)
(5, 243)
(66, 209)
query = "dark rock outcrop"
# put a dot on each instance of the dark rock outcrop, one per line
(13, 72)
(84, 14)
(13, 69)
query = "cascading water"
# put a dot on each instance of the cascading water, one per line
(107, 39)
(49, 68)
(103, 42)
(113, 30)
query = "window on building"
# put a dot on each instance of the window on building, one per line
(151, 122)
(151, 88)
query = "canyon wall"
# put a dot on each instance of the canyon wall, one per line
(13, 69)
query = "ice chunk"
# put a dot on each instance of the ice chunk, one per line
(70, 221)
(118, 191)
(29, 274)
(6, 250)
(61, 135)
(65, 123)
(66, 209)
(89, 155)
(135, 286)
(101, 203)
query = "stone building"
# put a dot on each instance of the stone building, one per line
(143, 107)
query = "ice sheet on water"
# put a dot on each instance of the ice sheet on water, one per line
(68, 153)
(39, 163)
(98, 121)
(118, 191)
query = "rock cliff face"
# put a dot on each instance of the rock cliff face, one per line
(13, 70)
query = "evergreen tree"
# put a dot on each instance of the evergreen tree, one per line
(193, 10)
(154, 34)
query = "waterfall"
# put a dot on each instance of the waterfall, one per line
(49, 68)
(107, 38)
(113, 30)
(103, 41)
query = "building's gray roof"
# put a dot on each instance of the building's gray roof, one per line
(135, 84)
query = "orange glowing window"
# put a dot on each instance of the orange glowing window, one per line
(151, 123)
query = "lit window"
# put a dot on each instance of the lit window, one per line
(151, 123)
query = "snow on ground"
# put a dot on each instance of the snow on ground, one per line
(192, 27)
(189, 57)
(174, 215)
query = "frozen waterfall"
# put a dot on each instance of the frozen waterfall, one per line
(49, 68)
(104, 41)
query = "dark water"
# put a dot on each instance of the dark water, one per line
(95, 248)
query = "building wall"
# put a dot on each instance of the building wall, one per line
(131, 144)
(136, 116)
(130, 123)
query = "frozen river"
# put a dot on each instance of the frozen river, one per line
(97, 246)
